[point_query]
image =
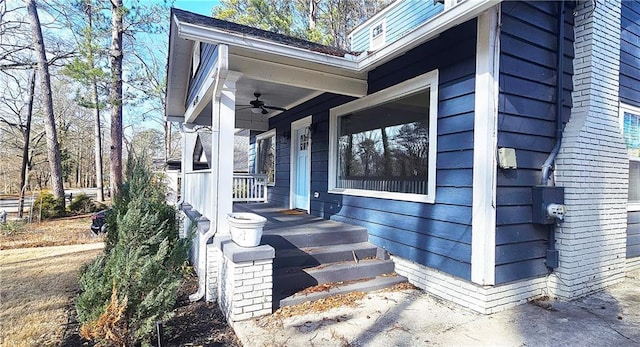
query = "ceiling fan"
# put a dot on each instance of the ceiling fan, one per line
(258, 106)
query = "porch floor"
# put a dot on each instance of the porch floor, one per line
(312, 251)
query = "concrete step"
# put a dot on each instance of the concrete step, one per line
(336, 288)
(316, 236)
(314, 256)
(287, 281)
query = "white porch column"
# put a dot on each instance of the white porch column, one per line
(592, 164)
(223, 125)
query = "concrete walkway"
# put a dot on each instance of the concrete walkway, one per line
(414, 318)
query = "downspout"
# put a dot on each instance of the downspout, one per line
(546, 167)
(220, 76)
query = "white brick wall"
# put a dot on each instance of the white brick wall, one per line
(214, 258)
(483, 299)
(592, 164)
(246, 289)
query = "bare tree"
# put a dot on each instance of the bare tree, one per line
(24, 173)
(49, 118)
(116, 57)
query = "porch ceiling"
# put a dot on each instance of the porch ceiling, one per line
(273, 94)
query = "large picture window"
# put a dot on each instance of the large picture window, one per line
(266, 155)
(384, 143)
(630, 118)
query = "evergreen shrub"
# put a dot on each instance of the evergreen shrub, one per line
(135, 283)
(82, 203)
(47, 206)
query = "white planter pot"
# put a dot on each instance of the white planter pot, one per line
(246, 228)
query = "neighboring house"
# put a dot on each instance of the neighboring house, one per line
(448, 135)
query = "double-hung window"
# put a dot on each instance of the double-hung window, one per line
(266, 155)
(630, 119)
(384, 144)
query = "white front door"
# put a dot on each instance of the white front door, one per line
(300, 164)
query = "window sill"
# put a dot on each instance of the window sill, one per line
(427, 199)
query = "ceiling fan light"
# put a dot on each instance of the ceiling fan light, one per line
(256, 110)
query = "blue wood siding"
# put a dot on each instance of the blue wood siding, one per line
(436, 235)
(526, 122)
(319, 109)
(401, 18)
(630, 53)
(630, 94)
(208, 55)
(633, 234)
(252, 150)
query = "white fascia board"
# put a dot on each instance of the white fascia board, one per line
(483, 223)
(199, 33)
(364, 62)
(174, 90)
(429, 30)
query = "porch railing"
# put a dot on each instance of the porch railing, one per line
(413, 185)
(249, 187)
(196, 188)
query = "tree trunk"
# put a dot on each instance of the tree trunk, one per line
(24, 173)
(115, 96)
(53, 147)
(97, 133)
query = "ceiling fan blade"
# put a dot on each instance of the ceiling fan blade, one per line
(243, 107)
(264, 111)
(275, 108)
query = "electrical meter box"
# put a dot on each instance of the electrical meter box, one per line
(548, 204)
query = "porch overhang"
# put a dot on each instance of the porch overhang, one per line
(288, 74)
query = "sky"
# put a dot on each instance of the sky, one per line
(197, 6)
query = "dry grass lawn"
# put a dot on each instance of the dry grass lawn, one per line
(58, 232)
(37, 286)
(39, 269)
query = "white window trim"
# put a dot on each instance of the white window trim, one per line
(381, 41)
(260, 137)
(416, 84)
(631, 206)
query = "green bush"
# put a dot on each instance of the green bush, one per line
(82, 203)
(12, 227)
(47, 206)
(135, 283)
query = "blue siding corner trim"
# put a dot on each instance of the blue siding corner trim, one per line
(630, 53)
(526, 122)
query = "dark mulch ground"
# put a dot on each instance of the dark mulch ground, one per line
(194, 324)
